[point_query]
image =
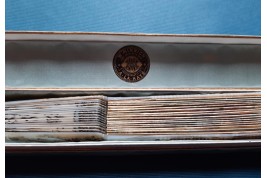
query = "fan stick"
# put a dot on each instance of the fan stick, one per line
(235, 115)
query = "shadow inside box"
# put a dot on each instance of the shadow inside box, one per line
(197, 163)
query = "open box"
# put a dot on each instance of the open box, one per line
(54, 64)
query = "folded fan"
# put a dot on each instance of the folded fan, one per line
(58, 119)
(179, 117)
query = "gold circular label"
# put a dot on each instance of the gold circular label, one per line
(131, 63)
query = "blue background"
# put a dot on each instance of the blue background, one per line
(240, 17)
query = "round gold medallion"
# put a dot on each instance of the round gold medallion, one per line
(131, 63)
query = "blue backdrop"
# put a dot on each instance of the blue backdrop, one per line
(140, 16)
